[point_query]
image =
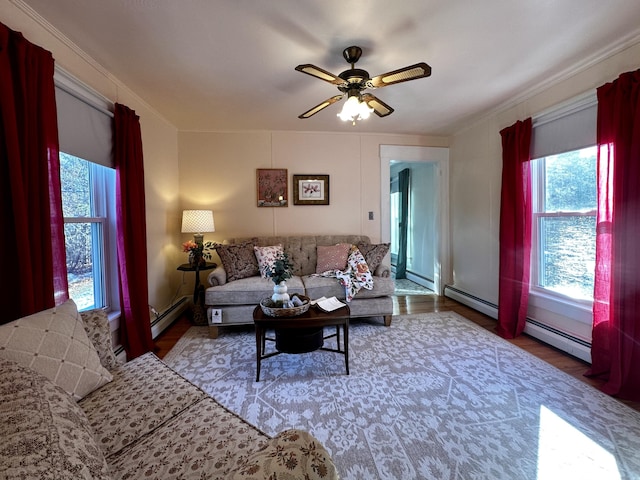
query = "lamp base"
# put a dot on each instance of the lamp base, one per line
(198, 237)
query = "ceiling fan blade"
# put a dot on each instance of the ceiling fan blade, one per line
(320, 73)
(419, 70)
(321, 106)
(379, 107)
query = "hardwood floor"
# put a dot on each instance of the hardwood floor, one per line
(408, 304)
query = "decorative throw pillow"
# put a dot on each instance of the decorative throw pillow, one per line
(45, 434)
(332, 257)
(55, 344)
(373, 254)
(239, 261)
(266, 257)
(96, 324)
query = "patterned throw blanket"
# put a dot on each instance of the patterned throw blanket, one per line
(356, 276)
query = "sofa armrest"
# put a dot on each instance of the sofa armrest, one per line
(292, 453)
(96, 324)
(383, 270)
(217, 277)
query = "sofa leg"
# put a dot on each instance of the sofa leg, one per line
(387, 320)
(213, 331)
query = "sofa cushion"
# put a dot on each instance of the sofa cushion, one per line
(96, 324)
(373, 253)
(145, 394)
(248, 291)
(205, 441)
(45, 434)
(291, 454)
(54, 343)
(267, 257)
(332, 257)
(239, 261)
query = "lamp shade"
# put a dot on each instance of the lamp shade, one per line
(197, 221)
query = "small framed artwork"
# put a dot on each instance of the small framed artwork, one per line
(272, 187)
(311, 189)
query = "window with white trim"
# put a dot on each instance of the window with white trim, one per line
(88, 204)
(564, 223)
(564, 199)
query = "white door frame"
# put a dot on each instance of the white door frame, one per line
(440, 157)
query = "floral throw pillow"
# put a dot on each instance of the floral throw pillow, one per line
(239, 261)
(373, 254)
(333, 257)
(266, 257)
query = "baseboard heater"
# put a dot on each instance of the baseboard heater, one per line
(166, 318)
(158, 324)
(552, 336)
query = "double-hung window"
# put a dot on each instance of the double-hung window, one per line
(88, 207)
(88, 182)
(564, 223)
(564, 202)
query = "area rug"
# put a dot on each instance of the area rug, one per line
(433, 396)
(407, 287)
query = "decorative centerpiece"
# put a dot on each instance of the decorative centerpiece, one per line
(299, 305)
(281, 304)
(280, 272)
(198, 252)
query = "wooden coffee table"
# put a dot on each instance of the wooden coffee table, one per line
(314, 318)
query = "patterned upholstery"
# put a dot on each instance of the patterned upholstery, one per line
(148, 422)
(96, 324)
(45, 434)
(145, 394)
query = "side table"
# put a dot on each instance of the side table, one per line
(186, 267)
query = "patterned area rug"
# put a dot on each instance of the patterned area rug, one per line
(407, 287)
(433, 396)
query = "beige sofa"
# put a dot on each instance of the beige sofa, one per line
(237, 299)
(143, 420)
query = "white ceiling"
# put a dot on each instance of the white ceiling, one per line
(229, 64)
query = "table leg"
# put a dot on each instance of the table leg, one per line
(259, 349)
(338, 337)
(346, 345)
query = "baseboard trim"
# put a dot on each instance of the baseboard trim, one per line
(166, 318)
(574, 346)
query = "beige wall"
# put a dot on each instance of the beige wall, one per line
(476, 166)
(218, 171)
(159, 140)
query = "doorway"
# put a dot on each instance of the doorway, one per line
(423, 251)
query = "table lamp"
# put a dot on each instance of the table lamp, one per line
(197, 222)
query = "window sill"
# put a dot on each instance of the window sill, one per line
(580, 311)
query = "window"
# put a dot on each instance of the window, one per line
(564, 220)
(88, 193)
(88, 204)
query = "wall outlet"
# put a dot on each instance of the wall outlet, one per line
(370, 215)
(216, 315)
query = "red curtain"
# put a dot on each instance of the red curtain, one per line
(135, 323)
(32, 240)
(515, 229)
(615, 349)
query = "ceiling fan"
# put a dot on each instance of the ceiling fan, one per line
(355, 81)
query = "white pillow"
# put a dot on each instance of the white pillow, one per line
(55, 344)
(266, 257)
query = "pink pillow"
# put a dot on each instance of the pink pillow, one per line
(332, 257)
(266, 257)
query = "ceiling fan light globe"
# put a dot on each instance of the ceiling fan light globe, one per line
(350, 110)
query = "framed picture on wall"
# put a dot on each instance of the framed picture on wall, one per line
(272, 187)
(311, 189)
